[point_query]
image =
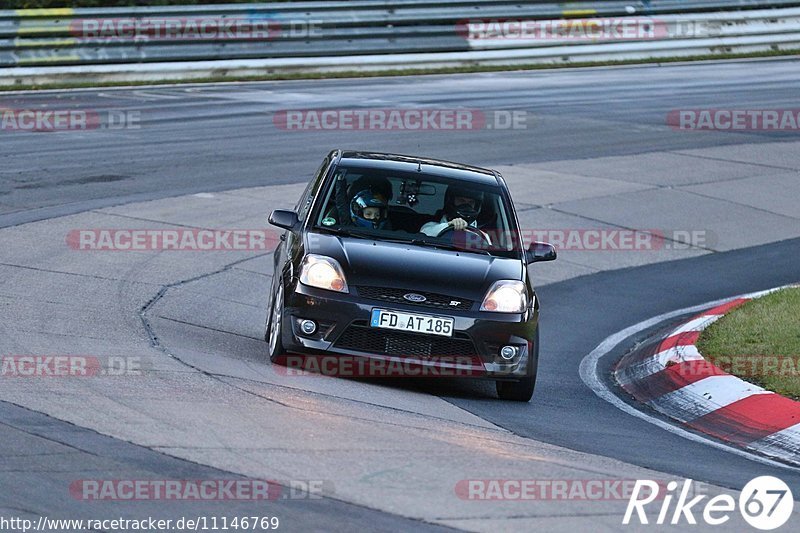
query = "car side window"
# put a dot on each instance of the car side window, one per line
(305, 201)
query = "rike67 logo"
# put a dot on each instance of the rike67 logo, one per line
(765, 503)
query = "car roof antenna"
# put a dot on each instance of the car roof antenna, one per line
(419, 166)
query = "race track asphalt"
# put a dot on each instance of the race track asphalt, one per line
(210, 139)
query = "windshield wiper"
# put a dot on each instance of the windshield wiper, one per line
(446, 246)
(348, 232)
(345, 232)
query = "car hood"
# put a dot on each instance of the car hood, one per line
(386, 264)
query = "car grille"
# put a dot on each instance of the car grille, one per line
(382, 342)
(432, 300)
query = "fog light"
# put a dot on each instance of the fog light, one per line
(508, 352)
(308, 327)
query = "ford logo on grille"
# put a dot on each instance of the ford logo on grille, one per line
(414, 297)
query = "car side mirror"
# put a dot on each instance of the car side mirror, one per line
(284, 218)
(540, 251)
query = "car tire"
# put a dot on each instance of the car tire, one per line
(522, 390)
(516, 391)
(274, 326)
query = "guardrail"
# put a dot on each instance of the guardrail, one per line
(380, 34)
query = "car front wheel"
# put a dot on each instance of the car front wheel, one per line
(517, 391)
(275, 323)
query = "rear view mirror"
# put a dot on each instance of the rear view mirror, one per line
(283, 218)
(540, 251)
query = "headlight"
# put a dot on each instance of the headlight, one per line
(322, 272)
(506, 296)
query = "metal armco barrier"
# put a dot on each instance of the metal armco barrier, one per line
(370, 34)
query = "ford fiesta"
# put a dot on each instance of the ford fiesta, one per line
(392, 258)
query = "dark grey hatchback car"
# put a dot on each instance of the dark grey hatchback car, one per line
(396, 259)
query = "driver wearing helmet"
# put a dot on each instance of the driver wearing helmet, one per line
(461, 208)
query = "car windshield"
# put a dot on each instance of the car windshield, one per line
(418, 208)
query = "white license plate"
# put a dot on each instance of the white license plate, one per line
(434, 325)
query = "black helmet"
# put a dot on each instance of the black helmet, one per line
(465, 211)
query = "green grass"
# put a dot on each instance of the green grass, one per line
(407, 72)
(760, 342)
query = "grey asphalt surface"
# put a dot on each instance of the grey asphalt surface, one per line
(42, 455)
(579, 313)
(222, 137)
(219, 138)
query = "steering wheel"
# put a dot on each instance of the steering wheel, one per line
(470, 229)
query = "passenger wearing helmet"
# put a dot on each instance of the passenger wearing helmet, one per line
(461, 208)
(368, 210)
(368, 207)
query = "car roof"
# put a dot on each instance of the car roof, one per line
(408, 163)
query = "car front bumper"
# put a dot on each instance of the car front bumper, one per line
(473, 351)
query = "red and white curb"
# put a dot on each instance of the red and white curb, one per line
(673, 378)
